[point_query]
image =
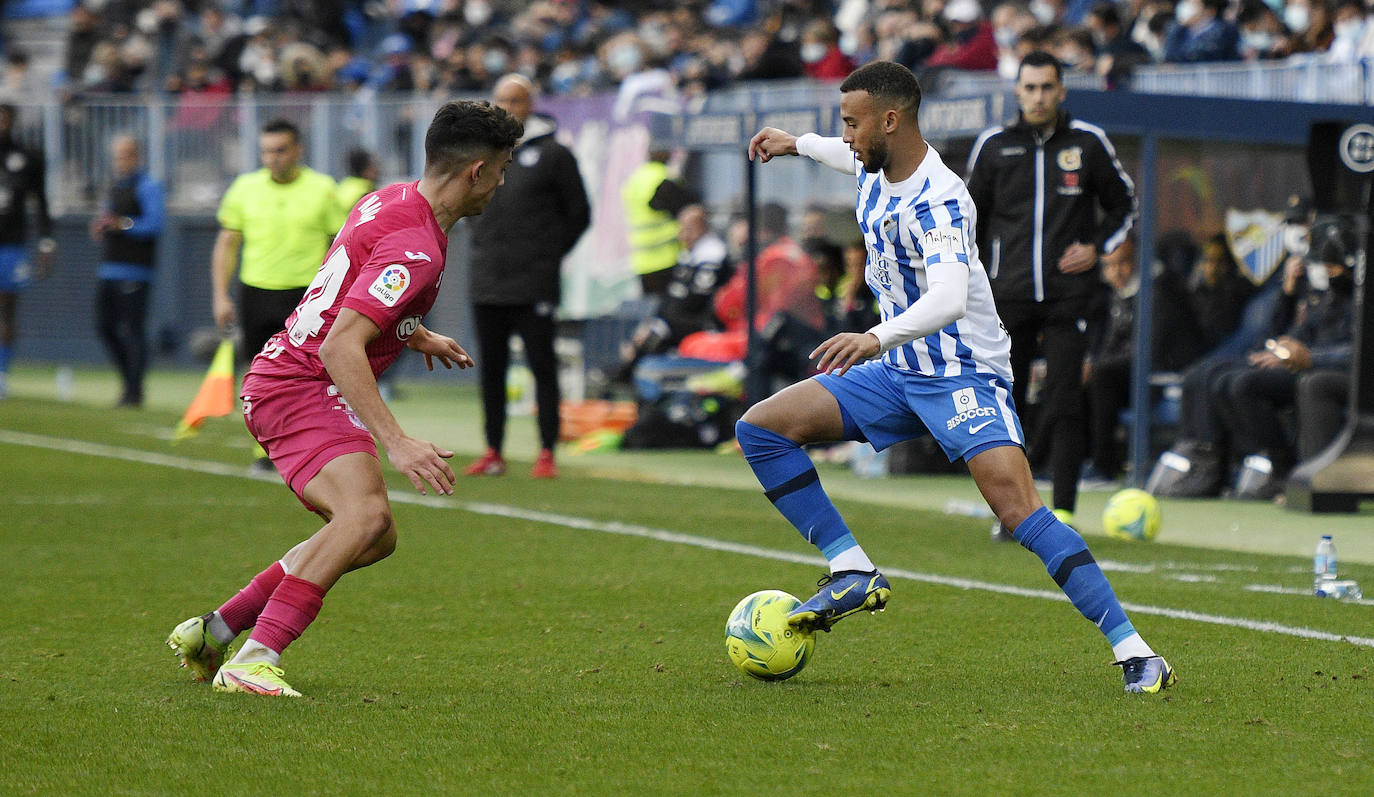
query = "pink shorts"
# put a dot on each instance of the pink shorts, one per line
(303, 424)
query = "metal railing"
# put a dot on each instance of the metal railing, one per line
(1305, 78)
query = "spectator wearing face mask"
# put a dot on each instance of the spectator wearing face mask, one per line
(1349, 32)
(820, 52)
(971, 44)
(1262, 35)
(1201, 34)
(1310, 22)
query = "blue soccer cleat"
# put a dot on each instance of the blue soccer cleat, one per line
(841, 595)
(1147, 675)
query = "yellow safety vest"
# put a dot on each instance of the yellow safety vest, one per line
(653, 233)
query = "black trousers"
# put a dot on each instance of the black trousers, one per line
(1058, 430)
(1109, 392)
(262, 314)
(1323, 396)
(1256, 399)
(535, 324)
(121, 313)
(1206, 387)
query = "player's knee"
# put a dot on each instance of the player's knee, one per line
(371, 519)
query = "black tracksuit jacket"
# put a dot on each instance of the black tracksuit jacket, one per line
(1037, 196)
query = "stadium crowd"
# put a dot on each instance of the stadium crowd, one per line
(578, 47)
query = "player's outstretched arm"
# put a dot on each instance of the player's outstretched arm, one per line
(771, 141)
(344, 355)
(441, 347)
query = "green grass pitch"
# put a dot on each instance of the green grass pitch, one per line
(558, 638)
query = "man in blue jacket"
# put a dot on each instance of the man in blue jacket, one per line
(127, 230)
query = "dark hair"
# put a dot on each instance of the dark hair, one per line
(358, 162)
(887, 82)
(1107, 13)
(1040, 58)
(464, 130)
(280, 125)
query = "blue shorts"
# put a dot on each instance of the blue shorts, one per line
(15, 271)
(966, 414)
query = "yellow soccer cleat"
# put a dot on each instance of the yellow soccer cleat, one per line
(255, 678)
(196, 648)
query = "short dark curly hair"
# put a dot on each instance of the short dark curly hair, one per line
(888, 82)
(463, 131)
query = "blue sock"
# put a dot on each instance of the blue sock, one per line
(1067, 559)
(790, 481)
(4, 358)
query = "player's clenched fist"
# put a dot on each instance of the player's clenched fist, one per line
(771, 141)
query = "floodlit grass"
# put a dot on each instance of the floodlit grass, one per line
(510, 656)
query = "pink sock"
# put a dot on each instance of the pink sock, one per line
(293, 607)
(242, 610)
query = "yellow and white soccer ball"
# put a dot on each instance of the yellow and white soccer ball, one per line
(1131, 514)
(759, 640)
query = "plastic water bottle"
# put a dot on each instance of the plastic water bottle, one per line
(1324, 566)
(869, 463)
(64, 383)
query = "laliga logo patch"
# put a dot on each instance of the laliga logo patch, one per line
(1070, 159)
(965, 400)
(407, 326)
(390, 284)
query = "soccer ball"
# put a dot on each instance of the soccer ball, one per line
(759, 640)
(1131, 515)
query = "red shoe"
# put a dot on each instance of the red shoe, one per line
(490, 464)
(544, 467)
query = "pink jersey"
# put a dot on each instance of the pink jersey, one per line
(386, 263)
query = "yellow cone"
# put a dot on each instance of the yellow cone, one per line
(216, 396)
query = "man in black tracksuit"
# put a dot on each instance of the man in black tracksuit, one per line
(1038, 185)
(518, 244)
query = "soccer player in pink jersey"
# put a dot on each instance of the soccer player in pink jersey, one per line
(311, 398)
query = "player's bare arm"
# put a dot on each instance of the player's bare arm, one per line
(224, 262)
(771, 141)
(441, 347)
(344, 356)
(845, 350)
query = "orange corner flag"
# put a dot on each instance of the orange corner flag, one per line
(216, 396)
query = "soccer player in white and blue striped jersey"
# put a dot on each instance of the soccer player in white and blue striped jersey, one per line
(937, 364)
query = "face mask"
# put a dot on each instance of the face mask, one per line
(1100, 40)
(812, 52)
(1275, 5)
(1258, 41)
(495, 61)
(476, 12)
(1318, 277)
(1295, 239)
(1350, 29)
(1042, 11)
(1005, 37)
(1297, 18)
(1186, 10)
(624, 59)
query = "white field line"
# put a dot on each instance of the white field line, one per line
(660, 535)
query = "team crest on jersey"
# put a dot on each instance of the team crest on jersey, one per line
(391, 284)
(1070, 159)
(407, 326)
(943, 241)
(890, 228)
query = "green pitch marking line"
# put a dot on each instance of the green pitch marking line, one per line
(661, 535)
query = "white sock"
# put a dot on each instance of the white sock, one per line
(217, 628)
(852, 559)
(254, 651)
(1132, 647)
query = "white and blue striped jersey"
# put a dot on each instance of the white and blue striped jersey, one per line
(925, 219)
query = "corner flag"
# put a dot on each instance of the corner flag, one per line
(216, 396)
